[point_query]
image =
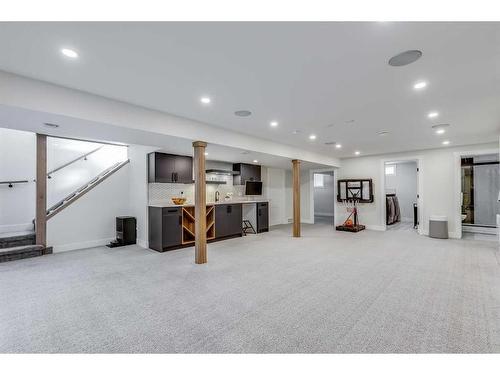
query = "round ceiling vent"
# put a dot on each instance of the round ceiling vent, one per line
(243, 113)
(50, 125)
(440, 126)
(405, 58)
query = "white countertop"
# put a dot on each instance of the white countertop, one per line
(233, 201)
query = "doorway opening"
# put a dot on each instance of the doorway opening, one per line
(324, 197)
(480, 186)
(401, 195)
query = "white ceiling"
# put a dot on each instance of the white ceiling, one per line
(32, 121)
(313, 77)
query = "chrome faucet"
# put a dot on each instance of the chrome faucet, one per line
(217, 196)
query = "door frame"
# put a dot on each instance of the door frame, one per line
(457, 160)
(420, 188)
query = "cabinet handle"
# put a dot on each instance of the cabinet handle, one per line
(180, 220)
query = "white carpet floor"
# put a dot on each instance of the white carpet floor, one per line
(327, 292)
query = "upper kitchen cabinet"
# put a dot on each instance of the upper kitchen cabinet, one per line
(170, 168)
(247, 172)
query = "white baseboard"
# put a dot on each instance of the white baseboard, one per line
(16, 228)
(375, 227)
(81, 245)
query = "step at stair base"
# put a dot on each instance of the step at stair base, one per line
(23, 252)
(15, 241)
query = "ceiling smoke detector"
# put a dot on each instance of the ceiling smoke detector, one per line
(243, 113)
(405, 58)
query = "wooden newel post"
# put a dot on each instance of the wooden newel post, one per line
(41, 190)
(296, 197)
(200, 204)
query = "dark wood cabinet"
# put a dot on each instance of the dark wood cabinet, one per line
(247, 172)
(170, 168)
(262, 217)
(228, 220)
(165, 228)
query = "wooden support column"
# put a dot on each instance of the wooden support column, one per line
(41, 190)
(296, 197)
(200, 204)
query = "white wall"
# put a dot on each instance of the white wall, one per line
(17, 162)
(404, 185)
(437, 176)
(324, 197)
(67, 180)
(275, 192)
(90, 220)
(138, 189)
(306, 210)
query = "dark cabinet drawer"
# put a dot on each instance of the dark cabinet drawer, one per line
(171, 227)
(165, 228)
(228, 219)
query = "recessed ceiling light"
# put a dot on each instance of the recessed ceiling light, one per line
(440, 131)
(420, 85)
(205, 100)
(255, 161)
(357, 152)
(312, 137)
(72, 54)
(405, 58)
(274, 124)
(243, 113)
(206, 153)
(432, 114)
(50, 125)
(383, 133)
(338, 145)
(446, 143)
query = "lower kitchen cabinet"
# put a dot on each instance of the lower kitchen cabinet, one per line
(262, 217)
(228, 220)
(165, 228)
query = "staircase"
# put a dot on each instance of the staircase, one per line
(82, 190)
(21, 246)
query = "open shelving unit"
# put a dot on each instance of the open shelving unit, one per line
(188, 225)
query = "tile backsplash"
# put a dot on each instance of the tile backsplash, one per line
(163, 192)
